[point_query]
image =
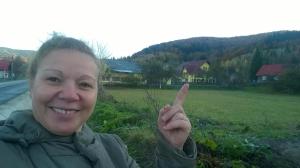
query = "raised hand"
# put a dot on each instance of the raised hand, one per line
(173, 122)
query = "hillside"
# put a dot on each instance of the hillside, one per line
(8, 52)
(210, 48)
(233, 60)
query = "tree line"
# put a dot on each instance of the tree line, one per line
(237, 68)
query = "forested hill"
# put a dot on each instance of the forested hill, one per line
(8, 52)
(209, 48)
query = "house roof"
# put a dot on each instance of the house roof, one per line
(122, 66)
(4, 65)
(193, 67)
(270, 70)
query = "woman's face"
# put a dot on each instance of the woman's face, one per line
(64, 91)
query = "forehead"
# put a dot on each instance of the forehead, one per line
(67, 60)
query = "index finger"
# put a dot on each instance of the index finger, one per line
(181, 94)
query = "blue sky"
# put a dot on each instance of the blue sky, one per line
(126, 27)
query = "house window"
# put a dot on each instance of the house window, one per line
(264, 78)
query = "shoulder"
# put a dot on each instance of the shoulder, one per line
(105, 136)
(9, 151)
(18, 116)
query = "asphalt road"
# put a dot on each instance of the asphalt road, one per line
(11, 89)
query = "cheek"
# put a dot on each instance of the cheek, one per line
(90, 101)
(41, 94)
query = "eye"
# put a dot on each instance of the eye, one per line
(53, 79)
(86, 85)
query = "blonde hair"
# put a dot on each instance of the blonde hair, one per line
(56, 43)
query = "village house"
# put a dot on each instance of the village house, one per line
(196, 72)
(4, 69)
(269, 72)
(121, 71)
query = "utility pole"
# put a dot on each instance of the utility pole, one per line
(12, 68)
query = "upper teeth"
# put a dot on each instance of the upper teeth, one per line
(62, 111)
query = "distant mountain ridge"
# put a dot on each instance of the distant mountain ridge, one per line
(8, 52)
(199, 48)
(204, 48)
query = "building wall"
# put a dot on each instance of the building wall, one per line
(3, 75)
(205, 67)
(192, 78)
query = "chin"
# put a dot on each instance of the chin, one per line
(64, 131)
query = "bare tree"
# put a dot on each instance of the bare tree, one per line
(101, 53)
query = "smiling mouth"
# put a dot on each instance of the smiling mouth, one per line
(64, 111)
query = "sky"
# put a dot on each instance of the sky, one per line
(125, 27)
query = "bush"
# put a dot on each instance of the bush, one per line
(110, 116)
(289, 81)
(141, 145)
(130, 124)
(226, 148)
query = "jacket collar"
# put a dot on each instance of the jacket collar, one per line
(22, 128)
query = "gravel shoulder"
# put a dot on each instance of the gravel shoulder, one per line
(20, 102)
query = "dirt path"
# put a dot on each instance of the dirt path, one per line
(286, 153)
(288, 150)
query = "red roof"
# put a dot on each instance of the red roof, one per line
(193, 67)
(4, 65)
(270, 70)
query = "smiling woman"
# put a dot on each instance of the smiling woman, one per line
(64, 91)
(63, 85)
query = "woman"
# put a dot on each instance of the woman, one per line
(63, 85)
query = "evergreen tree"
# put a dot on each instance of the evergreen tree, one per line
(256, 63)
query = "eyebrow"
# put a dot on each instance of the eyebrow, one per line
(88, 77)
(58, 71)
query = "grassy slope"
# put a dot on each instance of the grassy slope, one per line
(264, 114)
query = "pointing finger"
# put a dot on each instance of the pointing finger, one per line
(181, 94)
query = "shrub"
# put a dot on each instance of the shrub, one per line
(289, 81)
(110, 116)
(141, 145)
(131, 124)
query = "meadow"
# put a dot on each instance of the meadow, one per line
(232, 128)
(274, 115)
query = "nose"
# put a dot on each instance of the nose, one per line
(69, 92)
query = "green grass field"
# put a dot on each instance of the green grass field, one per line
(261, 114)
